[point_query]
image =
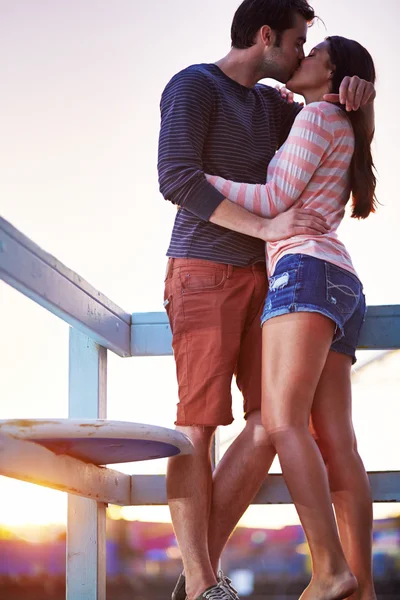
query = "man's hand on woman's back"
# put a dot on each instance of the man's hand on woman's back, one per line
(295, 221)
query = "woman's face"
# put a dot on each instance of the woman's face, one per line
(314, 72)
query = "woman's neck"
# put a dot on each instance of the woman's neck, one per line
(315, 95)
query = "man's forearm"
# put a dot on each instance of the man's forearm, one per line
(295, 221)
(234, 217)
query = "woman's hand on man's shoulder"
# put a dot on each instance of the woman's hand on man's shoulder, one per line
(354, 93)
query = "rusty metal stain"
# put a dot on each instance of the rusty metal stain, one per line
(27, 423)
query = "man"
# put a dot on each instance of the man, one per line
(216, 119)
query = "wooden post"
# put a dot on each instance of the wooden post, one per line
(86, 525)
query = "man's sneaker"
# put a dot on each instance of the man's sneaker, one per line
(215, 592)
(179, 592)
(227, 583)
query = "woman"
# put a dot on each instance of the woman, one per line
(312, 318)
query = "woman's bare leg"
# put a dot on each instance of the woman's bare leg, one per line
(295, 348)
(351, 494)
(236, 481)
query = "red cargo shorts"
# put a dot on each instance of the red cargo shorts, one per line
(214, 311)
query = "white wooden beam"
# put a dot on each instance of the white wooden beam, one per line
(151, 333)
(34, 463)
(44, 279)
(150, 489)
(86, 525)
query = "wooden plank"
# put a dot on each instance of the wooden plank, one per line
(385, 486)
(86, 561)
(86, 524)
(34, 463)
(87, 378)
(151, 333)
(44, 279)
(381, 330)
(151, 490)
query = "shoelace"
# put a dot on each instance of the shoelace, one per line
(228, 584)
(219, 592)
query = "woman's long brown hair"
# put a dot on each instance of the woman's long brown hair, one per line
(349, 58)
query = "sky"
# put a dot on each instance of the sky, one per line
(79, 121)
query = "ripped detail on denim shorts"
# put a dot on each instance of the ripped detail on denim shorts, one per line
(268, 304)
(278, 282)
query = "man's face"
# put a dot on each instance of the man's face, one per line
(283, 60)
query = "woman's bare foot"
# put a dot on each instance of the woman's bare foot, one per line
(363, 594)
(332, 587)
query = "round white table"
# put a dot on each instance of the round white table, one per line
(100, 441)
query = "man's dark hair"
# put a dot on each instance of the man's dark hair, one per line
(254, 14)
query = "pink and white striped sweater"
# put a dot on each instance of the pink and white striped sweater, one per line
(311, 166)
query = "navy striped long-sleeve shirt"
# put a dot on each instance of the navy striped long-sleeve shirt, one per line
(212, 124)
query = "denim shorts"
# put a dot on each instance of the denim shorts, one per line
(303, 283)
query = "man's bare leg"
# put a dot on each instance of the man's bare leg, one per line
(196, 500)
(189, 491)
